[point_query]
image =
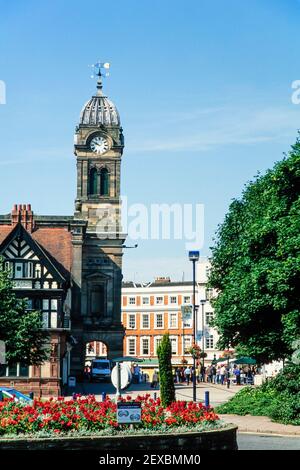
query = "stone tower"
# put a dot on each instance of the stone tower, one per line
(97, 234)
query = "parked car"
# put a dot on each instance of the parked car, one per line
(100, 370)
(8, 392)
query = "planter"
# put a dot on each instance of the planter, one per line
(218, 439)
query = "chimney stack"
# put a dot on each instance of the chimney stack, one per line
(24, 214)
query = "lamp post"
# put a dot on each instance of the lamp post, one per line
(194, 257)
(203, 338)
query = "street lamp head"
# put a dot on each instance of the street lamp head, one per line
(194, 255)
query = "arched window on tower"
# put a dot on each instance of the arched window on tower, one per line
(93, 182)
(104, 182)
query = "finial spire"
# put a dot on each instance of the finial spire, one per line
(98, 73)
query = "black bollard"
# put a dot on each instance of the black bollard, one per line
(31, 395)
(1, 396)
(206, 398)
(155, 395)
(74, 396)
(103, 396)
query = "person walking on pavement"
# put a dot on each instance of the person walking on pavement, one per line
(154, 379)
(202, 373)
(214, 374)
(223, 372)
(187, 374)
(237, 373)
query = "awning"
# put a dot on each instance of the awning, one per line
(244, 360)
(127, 359)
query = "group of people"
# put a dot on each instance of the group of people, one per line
(215, 374)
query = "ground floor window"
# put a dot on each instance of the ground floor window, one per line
(14, 370)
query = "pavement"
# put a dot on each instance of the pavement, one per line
(217, 393)
(261, 425)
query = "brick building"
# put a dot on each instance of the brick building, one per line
(70, 267)
(150, 310)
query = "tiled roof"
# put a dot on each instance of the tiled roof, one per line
(57, 241)
(4, 232)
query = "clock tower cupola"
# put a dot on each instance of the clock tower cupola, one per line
(99, 144)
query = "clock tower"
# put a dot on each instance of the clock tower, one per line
(97, 235)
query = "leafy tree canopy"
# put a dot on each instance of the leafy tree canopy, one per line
(21, 330)
(256, 264)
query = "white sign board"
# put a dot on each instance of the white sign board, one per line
(129, 412)
(125, 376)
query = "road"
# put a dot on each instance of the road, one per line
(218, 394)
(261, 442)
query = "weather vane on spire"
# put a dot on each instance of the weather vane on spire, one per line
(99, 71)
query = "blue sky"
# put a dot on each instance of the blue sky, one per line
(203, 88)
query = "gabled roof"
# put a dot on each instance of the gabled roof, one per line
(4, 232)
(52, 264)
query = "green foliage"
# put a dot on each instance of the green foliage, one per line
(167, 388)
(279, 398)
(256, 265)
(19, 329)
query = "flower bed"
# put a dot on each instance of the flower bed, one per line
(86, 415)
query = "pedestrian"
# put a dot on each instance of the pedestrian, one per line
(214, 374)
(202, 373)
(154, 382)
(218, 375)
(237, 373)
(210, 374)
(177, 374)
(136, 374)
(223, 372)
(187, 374)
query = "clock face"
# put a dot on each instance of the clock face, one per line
(99, 145)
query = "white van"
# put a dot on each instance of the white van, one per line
(100, 369)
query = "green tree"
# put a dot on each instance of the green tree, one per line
(167, 388)
(256, 264)
(21, 330)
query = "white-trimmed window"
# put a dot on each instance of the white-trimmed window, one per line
(145, 300)
(209, 316)
(187, 344)
(174, 345)
(209, 342)
(131, 321)
(159, 320)
(173, 320)
(145, 321)
(131, 300)
(159, 300)
(131, 346)
(145, 346)
(187, 299)
(173, 299)
(49, 313)
(157, 341)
